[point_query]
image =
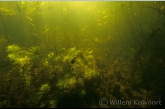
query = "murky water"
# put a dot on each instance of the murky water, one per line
(82, 54)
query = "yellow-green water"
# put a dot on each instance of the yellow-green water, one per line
(82, 54)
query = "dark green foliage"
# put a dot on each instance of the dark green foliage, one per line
(52, 76)
(70, 78)
(85, 52)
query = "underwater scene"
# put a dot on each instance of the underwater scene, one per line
(82, 54)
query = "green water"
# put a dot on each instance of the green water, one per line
(82, 54)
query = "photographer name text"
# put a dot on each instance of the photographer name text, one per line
(134, 102)
(104, 102)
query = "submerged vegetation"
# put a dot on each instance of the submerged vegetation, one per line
(56, 74)
(85, 53)
(57, 79)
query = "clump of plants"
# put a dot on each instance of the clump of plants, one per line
(54, 73)
(78, 67)
(24, 60)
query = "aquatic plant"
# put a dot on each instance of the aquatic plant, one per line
(80, 81)
(23, 57)
(77, 69)
(49, 60)
(35, 53)
(72, 82)
(53, 103)
(89, 73)
(83, 92)
(44, 88)
(63, 83)
(35, 50)
(67, 71)
(18, 55)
